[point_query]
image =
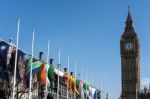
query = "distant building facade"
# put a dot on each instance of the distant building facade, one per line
(130, 63)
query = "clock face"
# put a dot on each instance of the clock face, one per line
(129, 46)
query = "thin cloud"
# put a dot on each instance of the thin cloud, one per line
(145, 82)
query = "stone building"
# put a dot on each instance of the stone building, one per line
(130, 63)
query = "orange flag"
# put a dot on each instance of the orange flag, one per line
(43, 74)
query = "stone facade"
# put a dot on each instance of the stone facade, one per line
(130, 63)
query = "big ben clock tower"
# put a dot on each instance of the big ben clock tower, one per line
(130, 56)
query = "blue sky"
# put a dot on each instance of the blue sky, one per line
(88, 31)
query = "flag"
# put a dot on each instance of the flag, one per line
(86, 86)
(35, 67)
(86, 89)
(66, 78)
(93, 93)
(52, 77)
(43, 73)
(58, 72)
(4, 47)
(90, 92)
(81, 90)
(97, 94)
(50, 71)
(69, 78)
(67, 81)
(77, 83)
(21, 65)
(73, 86)
(11, 57)
(20, 69)
(7, 60)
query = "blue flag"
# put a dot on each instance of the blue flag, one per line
(7, 61)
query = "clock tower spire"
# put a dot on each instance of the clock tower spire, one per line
(129, 29)
(130, 56)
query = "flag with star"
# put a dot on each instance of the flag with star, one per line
(7, 61)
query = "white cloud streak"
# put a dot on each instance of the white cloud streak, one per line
(145, 82)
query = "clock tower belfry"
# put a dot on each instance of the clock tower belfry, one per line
(130, 61)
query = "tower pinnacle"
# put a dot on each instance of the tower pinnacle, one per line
(129, 18)
(129, 29)
(128, 9)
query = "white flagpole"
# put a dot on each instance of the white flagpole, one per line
(68, 77)
(14, 81)
(82, 74)
(101, 88)
(58, 74)
(97, 84)
(75, 81)
(86, 86)
(30, 93)
(46, 69)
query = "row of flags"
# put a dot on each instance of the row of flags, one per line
(81, 88)
(13, 61)
(7, 59)
(40, 69)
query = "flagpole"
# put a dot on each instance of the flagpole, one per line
(101, 89)
(82, 77)
(31, 66)
(97, 86)
(68, 77)
(75, 81)
(86, 85)
(46, 69)
(58, 74)
(14, 81)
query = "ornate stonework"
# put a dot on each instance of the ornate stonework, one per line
(130, 66)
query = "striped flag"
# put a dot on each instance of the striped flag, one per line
(35, 67)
